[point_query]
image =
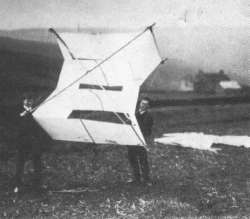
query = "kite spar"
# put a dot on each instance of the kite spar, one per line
(98, 87)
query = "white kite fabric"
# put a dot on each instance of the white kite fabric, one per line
(97, 91)
(203, 141)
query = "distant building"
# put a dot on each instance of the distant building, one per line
(231, 85)
(186, 83)
(209, 83)
(228, 87)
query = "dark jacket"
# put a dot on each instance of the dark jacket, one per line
(145, 122)
(28, 128)
(31, 136)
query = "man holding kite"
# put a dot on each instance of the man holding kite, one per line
(29, 144)
(137, 155)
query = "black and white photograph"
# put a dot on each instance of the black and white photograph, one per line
(118, 109)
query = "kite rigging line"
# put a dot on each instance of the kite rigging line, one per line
(104, 75)
(96, 66)
(155, 41)
(66, 46)
(156, 44)
(62, 41)
(88, 132)
(115, 113)
(119, 117)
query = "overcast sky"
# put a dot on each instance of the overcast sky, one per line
(211, 34)
(125, 13)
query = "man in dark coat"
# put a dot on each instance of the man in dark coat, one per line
(137, 155)
(28, 145)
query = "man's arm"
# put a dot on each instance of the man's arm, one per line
(148, 125)
(27, 110)
(148, 129)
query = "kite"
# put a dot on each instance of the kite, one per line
(96, 95)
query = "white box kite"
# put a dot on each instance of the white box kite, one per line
(97, 91)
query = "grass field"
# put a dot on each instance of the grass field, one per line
(187, 183)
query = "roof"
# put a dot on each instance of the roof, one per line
(230, 85)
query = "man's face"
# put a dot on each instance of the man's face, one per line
(28, 102)
(144, 105)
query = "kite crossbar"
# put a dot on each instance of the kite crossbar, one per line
(151, 26)
(90, 70)
(164, 60)
(66, 46)
(155, 41)
(62, 41)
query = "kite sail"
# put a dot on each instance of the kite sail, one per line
(98, 87)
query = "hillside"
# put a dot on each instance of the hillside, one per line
(27, 66)
(48, 49)
(34, 34)
(167, 77)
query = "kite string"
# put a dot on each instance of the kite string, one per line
(85, 127)
(131, 69)
(98, 97)
(103, 73)
(62, 41)
(96, 66)
(154, 38)
(116, 114)
(119, 117)
(83, 124)
(102, 87)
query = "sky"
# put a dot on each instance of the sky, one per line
(211, 34)
(122, 13)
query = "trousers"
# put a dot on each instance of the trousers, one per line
(138, 159)
(28, 150)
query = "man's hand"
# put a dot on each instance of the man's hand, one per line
(146, 147)
(149, 140)
(26, 111)
(149, 143)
